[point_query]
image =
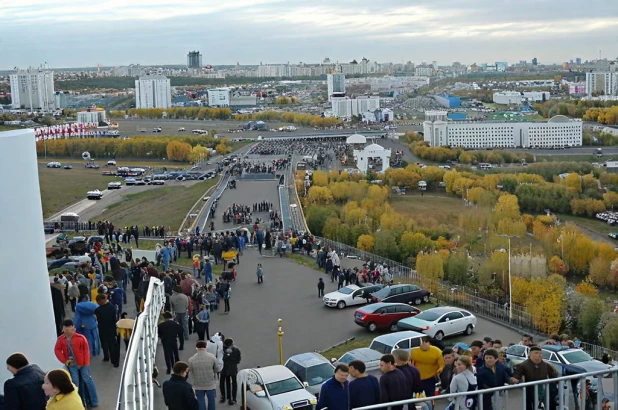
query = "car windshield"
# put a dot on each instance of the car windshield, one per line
(381, 347)
(577, 356)
(283, 386)
(346, 290)
(428, 316)
(319, 374)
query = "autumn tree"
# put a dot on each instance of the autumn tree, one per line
(412, 243)
(585, 287)
(456, 271)
(507, 208)
(221, 149)
(386, 245)
(430, 267)
(199, 153)
(557, 266)
(365, 243)
(573, 183)
(319, 178)
(178, 151)
(319, 195)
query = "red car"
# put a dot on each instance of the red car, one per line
(383, 315)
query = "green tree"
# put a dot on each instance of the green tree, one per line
(316, 218)
(457, 268)
(386, 245)
(590, 318)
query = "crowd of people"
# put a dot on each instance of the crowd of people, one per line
(428, 371)
(257, 167)
(301, 146)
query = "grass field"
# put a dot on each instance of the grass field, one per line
(61, 188)
(429, 210)
(567, 158)
(165, 206)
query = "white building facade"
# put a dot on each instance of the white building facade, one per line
(33, 89)
(344, 107)
(605, 83)
(516, 98)
(559, 131)
(153, 91)
(219, 97)
(336, 85)
(91, 116)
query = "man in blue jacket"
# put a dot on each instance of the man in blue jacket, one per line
(334, 394)
(207, 270)
(492, 374)
(23, 391)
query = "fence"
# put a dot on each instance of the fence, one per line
(67, 226)
(136, 379)
(527, 395)
(598, 351)
(445, 293)
(284, 205)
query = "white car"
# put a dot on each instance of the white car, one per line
(440, 322)
(54, 164)
(350, 295)
(114, 185)
(111, 162)
(181, 129)
(273, 388)
(95, 194)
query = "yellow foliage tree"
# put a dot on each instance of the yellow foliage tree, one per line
(573, 183)
(365, 243)
(586, 288)
(319, 195)
(543, 299)
(430, 267)
(199, 153)
(319, 178)
(178, 151)
(507, 208)
(221, 149)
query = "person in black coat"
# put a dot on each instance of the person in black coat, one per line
(106, 320)
(169, 331)
(23, 391)
(177, 392)
(58, 303)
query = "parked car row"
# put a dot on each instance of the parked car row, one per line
(357, 295)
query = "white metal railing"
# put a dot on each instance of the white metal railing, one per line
(561, 394)
(136, 379)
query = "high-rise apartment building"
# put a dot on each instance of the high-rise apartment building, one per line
(336, 85)
(33, 89)
(602, 83)
(153, 91)
(194, 59)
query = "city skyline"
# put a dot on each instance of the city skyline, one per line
(161, 32)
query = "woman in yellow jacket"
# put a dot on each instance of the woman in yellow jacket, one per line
(62, 392)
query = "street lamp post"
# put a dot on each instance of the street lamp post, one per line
(509, 237)
(280, 335)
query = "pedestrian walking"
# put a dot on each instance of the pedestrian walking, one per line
(464, 381)
(106, 319)
(260, 273)
(202, 320)
(228, 383)
(178, 394)
(23, 390)
(180, 306)
(334, 394)
(72, 351)
(169, 333)
(207, 270)
(86, 324)
(226, 292)
(536, 369)
(320, 288)
(61, 391)
(204, 369)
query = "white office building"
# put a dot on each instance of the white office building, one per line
(153, 91)
(92, 115)
(516, 98)
(559, 131)
(602, 83)
(219, 97)
(336, 85)
(344, 107)
(33, 89)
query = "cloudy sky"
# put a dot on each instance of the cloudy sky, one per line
(80, 33)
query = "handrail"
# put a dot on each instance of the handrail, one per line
(136, 391)
(599, 374)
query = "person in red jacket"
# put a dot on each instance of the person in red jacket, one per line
(72, 351)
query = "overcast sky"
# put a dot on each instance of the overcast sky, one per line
(81, 33)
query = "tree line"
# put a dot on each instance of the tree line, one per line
(173, 148)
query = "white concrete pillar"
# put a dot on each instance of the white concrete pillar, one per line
(26, 312)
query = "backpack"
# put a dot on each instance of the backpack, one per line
(471, 399)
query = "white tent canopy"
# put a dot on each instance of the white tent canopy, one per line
(356, 139)
(374, 147)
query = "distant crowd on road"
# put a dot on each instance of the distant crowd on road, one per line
(257, 167)
(299, 146)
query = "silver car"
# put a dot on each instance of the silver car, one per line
(313, 369)
(273, 388)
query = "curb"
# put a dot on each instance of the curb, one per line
(345, 342)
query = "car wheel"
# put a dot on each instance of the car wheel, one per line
(439, 336)
(417, 301)
(426, 298)
(372, 327)
(341, 304)
(393, 327)
(468, 330)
